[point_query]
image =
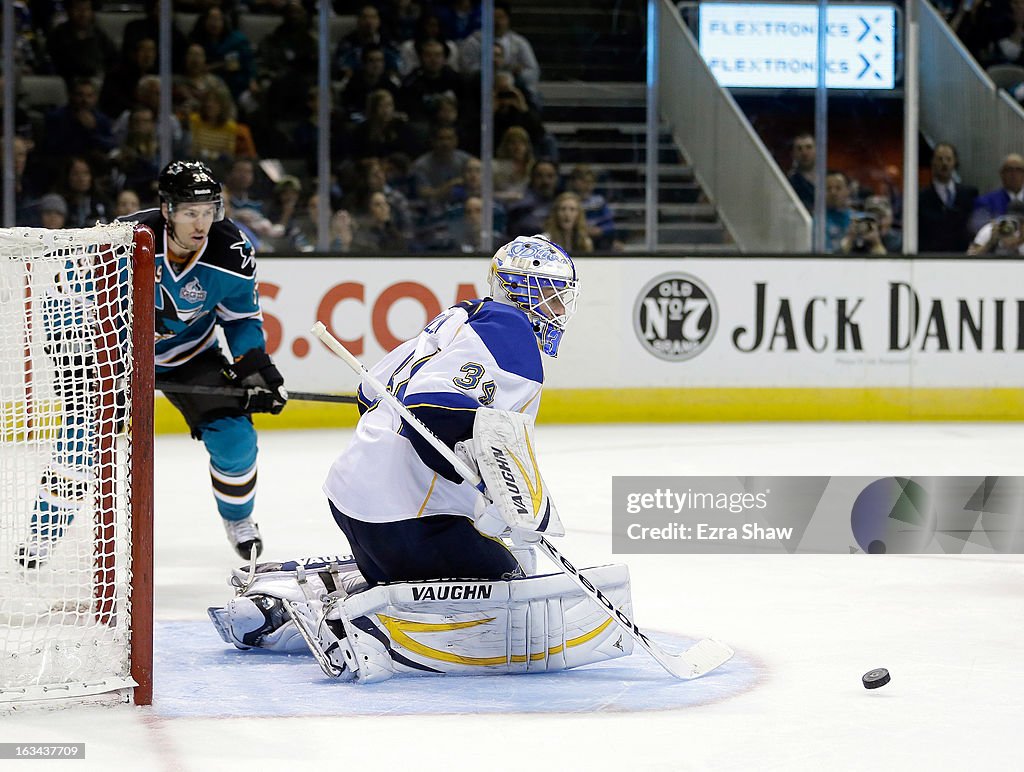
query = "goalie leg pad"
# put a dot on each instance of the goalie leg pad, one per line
(536, 624)
(256, 616)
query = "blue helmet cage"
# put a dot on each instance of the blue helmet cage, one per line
(538, 277)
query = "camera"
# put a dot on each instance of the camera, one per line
(1007, 226)
(864, 223)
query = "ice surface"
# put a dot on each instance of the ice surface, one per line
(948, 628)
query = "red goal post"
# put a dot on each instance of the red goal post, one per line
(76, 464)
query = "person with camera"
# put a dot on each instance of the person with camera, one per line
(1002, 235)
(864, 236)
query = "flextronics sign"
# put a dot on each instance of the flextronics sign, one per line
(775, 45)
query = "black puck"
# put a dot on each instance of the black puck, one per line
(875, 678)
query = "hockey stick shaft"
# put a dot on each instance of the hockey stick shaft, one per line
(237, 391)
(692, 663)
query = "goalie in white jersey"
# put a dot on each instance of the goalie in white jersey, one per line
(431, 589)
(402, 506)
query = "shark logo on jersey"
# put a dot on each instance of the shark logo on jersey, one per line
(170, 320)
(193, 292)
(244, 247)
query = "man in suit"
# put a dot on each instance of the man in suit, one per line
(945, 206)
(993, 204)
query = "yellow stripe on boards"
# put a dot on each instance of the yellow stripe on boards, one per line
(568, 406)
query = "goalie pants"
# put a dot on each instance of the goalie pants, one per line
(224, 428)
(424, 549)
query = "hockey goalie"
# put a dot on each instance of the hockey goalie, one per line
(442, 578)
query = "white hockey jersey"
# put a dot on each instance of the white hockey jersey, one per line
(477, 354)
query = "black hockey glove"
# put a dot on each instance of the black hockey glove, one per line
(264, 385)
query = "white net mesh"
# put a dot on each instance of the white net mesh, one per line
(65, 512)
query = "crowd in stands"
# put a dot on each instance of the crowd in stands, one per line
(952, 217)
(404, 125)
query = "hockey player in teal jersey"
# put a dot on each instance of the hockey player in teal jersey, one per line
(205, 279)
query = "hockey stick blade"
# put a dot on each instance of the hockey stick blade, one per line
(309, 637)
(700, 659)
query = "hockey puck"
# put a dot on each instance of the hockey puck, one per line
(873, 679)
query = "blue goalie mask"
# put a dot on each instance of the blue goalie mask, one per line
(538, 277)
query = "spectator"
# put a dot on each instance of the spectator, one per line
(400, 18)
(1008, 48)
(228, 51)
(30, 56)
(127, 203)
(518, 54)
(383, 131)
(85, 204)
(239, 180)
(427, 83)
(464, 231)
(147, 94)
(944, 207)
(53, 211)
(119, 85)
(428, 28)
(197, 77)
(369, 178)
(837, 209)
(373, 75)
(216, 135)
(566, 225)
(340, 225)
(459, 19)
(137, 159)
(803, 172)
(305, 139)
(287, 60)
(148, 27)
(78, 47)
(512, 109)
(600, 218)
(25, 187)
(527, 215)
(994, 203)
(375, 230)
(512, 165)
(79, 127)
(446, 113)
(1002, 236)
(891, 237)
(440, 169)
(283, 210)
(863, 236)
(348, 55)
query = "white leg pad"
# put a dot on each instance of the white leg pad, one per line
(536, 624)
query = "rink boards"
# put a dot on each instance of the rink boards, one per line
(701, 339)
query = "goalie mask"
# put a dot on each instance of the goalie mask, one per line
(190, 182)
(538, 277)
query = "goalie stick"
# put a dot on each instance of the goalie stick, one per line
(168, 387)
(698, 660)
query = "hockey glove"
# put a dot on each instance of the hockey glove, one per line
(264, 384)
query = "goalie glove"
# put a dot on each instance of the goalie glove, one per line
(264, 384)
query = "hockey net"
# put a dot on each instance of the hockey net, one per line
(76, 397)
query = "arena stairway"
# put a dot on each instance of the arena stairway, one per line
(592, 62)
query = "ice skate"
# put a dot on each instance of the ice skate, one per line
(244, 534)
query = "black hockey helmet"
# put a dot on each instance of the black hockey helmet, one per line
(190, 182)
